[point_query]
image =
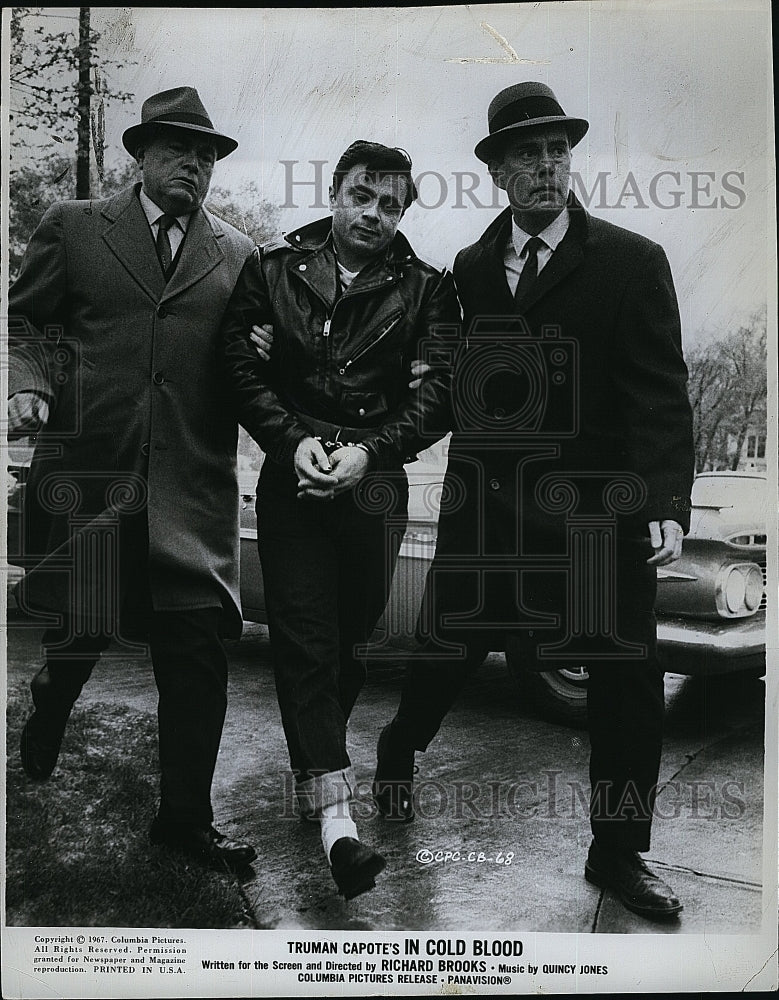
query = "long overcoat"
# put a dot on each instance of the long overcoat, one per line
(140, 414)
(571, 421)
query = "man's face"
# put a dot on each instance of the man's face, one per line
(534, 169)
(366, 213)
(177, 170)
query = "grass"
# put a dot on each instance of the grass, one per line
(77, 849)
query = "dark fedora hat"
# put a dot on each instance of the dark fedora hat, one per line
(522, 105)
(180, 107)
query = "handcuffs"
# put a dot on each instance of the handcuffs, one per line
(331, 446)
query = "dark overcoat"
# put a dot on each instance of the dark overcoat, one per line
(140, 416)
(570, 416)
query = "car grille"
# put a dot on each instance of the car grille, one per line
(763, 601)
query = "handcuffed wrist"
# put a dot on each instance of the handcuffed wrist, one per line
(367, 451)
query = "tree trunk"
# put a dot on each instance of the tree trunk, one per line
(84, 66)
(740, 439)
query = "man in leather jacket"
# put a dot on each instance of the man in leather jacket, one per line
(350, 306)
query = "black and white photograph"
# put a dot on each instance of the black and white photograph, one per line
(390, 537)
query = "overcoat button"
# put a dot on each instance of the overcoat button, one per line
(145, 448)
(159, 378)
(494, 484)
(162, 312)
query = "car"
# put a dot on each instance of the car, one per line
(710, 604)
(19, 457)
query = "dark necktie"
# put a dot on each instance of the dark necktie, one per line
(529, 274)
(163, 242)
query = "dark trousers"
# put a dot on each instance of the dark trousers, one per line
(190, 668)
(625, 719)
(327, 568)
(625, 702)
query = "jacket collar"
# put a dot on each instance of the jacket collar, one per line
(565, 258)
(130, 239)
(316, 264)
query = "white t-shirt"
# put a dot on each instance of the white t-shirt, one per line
(347, 277)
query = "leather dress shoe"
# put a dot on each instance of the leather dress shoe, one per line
(39, 745)
(638, 888)
(393, 783)
(203, 844)
(354, 866)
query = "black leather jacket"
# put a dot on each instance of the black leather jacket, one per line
(343, 358)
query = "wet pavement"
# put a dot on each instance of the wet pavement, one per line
(501, 786)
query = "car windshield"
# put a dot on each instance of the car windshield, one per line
(728, 491)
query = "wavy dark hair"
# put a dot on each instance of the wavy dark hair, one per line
(378, 159)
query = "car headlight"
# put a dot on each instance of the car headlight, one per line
(753, 592)
(739, 590)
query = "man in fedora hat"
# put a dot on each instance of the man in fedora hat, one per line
(568, 482)
(130, 519)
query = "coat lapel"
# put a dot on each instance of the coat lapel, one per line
(488, 278)
(318, 271)
(129, 238)
(200, 253)
(494, 281)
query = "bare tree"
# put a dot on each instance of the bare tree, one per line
(745, 354)
(706, 399)
(84, 95)
(245, 209)
(728, 389)
(53, 76)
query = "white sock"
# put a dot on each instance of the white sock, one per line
(336, 823)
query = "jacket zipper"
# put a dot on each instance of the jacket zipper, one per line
(329, 322)
(369, 346)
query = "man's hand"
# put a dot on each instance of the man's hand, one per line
(666, 538)
(349, 466)
(27, 413)
(419, 369)
(313, 470)
(262, 338)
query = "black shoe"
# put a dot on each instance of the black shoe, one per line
(393, 783)
(354, 866)
(639, 889)
(39, 745)
(203, 844)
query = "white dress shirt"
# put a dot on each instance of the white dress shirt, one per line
(153, 213)
(515, 256)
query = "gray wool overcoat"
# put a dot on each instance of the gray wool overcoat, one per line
(140, 413)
